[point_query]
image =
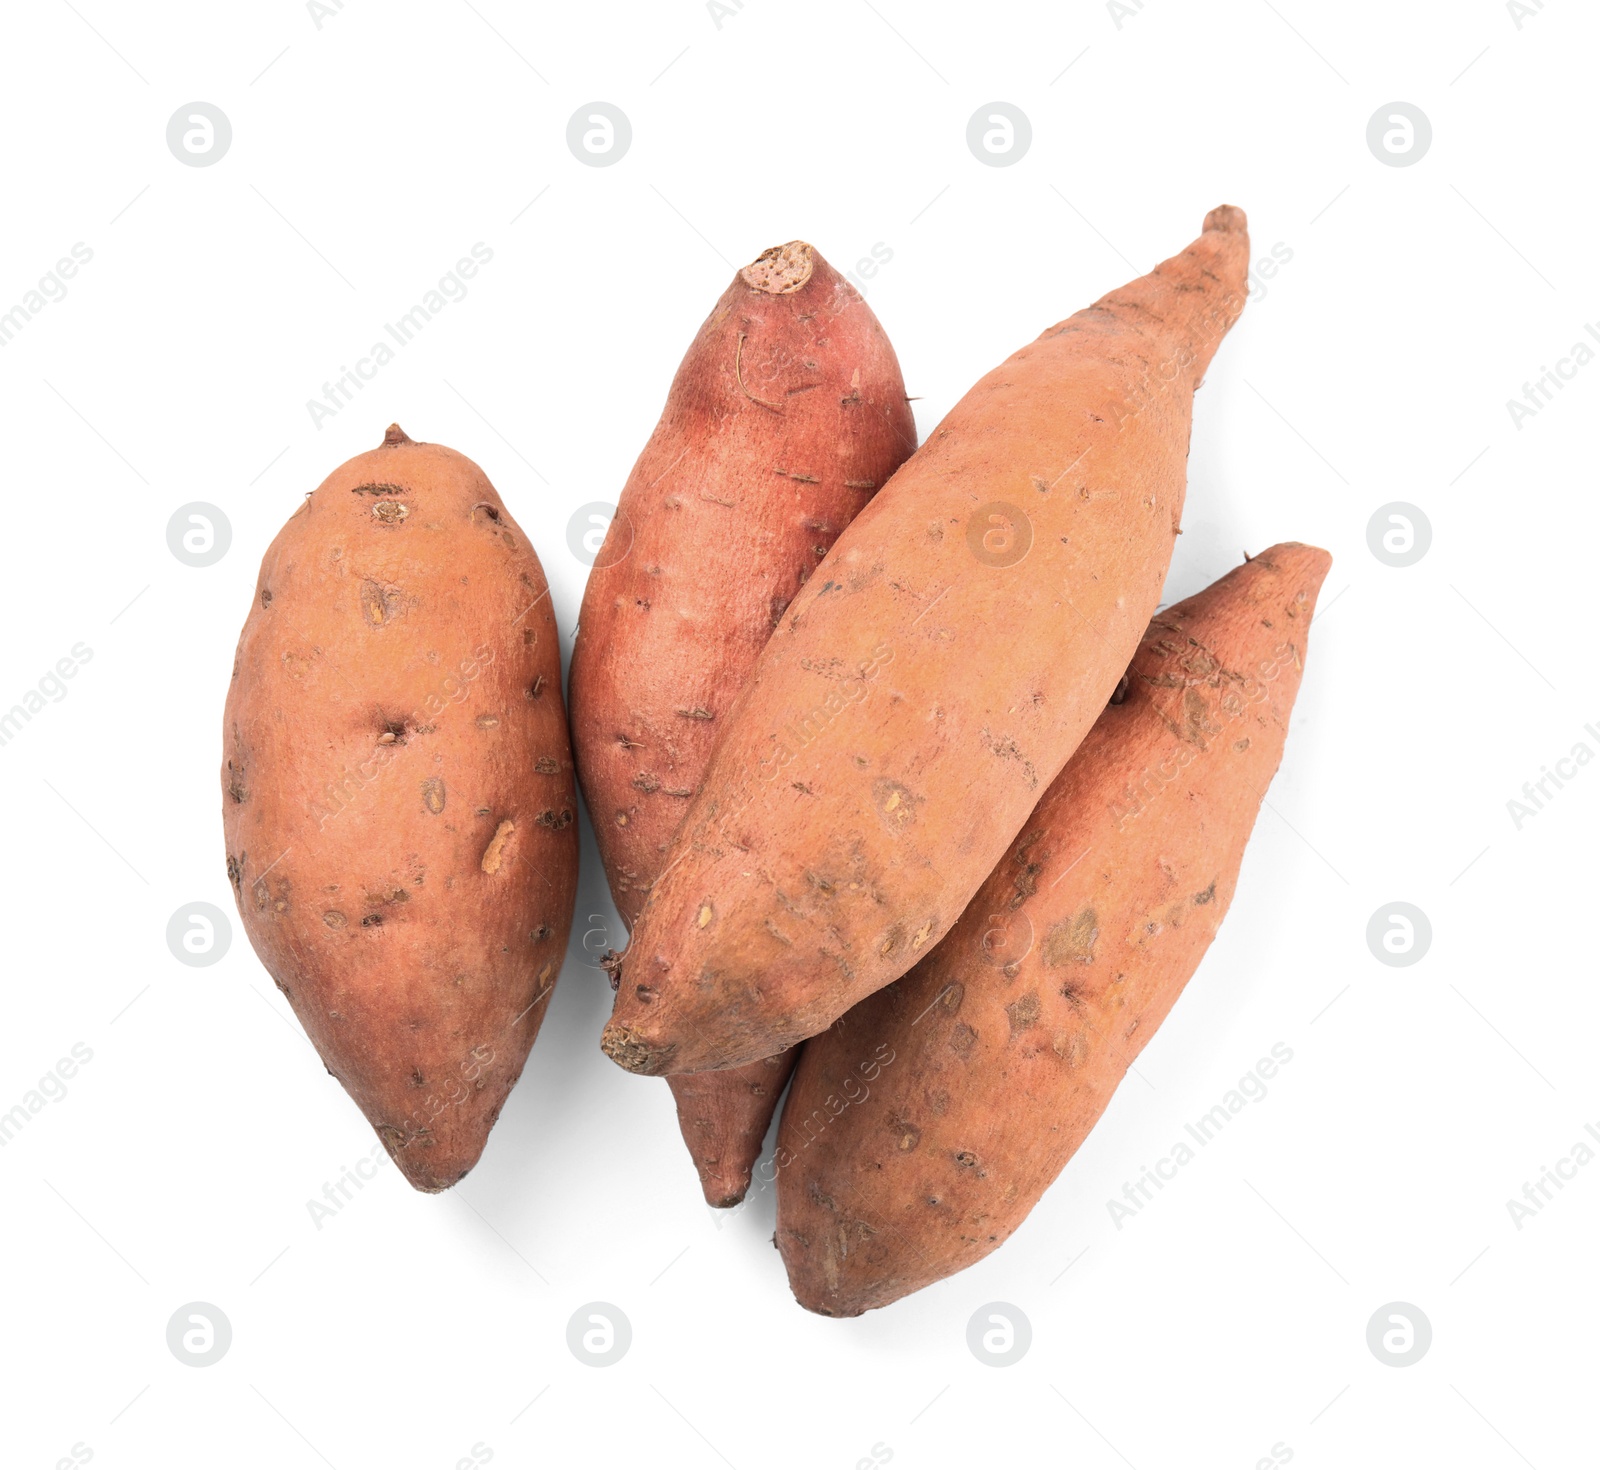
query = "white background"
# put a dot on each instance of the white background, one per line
(368, 155)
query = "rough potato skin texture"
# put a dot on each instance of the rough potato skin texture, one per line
(930, 680)
(398, 797)
(787, 412)
(1004, 1046)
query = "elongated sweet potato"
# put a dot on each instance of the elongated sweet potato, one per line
(924, 1125)
(786, 414)
(930, 680)
(397, 794)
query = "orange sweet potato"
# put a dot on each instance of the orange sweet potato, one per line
(925, 1124)
(397, 794)
(930, 680)
(786, 414)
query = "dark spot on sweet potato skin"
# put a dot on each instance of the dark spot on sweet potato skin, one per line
(379, 604)
(1072, 941)
(1023, 1012)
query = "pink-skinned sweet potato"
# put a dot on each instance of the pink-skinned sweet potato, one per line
(786, 414)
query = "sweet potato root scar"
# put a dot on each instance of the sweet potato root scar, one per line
(494, 853)
(633, 1054)
(780, 270)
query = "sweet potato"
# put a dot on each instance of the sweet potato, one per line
(786, 414)
(924, 1125)
(397, 794)
(724, 1116)
(930, 680)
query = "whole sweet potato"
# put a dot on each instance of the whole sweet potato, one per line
(787, 412)
(397, 794)
(930, 680)
(924, 1125)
